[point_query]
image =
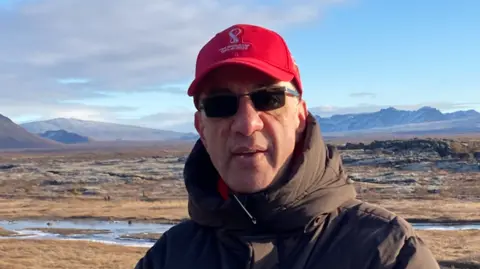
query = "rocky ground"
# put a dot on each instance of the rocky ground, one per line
(413, 168)
(382, 169)
(137, 177)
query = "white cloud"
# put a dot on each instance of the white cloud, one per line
(117, 45)
(363, 94)
(57, 50)
(73, 81)
(26, 110)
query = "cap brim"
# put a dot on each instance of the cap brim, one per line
(270, 70)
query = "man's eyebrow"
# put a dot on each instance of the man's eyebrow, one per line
(262, 85)
(218, 90)
(266, 84)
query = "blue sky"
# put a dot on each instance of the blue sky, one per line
(356, 56)
(404, 52)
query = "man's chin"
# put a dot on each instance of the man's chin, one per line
(248, 181)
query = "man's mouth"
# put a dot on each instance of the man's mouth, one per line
(246, 151)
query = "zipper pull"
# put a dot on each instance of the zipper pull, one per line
(252, 218)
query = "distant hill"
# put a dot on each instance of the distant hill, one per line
(12, 136)
(391, 119)
(103, 131)
(388, 121)
(65, 137)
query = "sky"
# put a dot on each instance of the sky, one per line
(131, 61)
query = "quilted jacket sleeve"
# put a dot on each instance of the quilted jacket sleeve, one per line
(415, 255)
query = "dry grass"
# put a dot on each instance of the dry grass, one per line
(441, 210)
(4, 232)
(458, 248)
(466, 146)
(160, 211)
(171, 211)
(59, 254)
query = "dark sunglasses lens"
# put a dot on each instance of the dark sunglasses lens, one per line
(268, 100)
(220, 106)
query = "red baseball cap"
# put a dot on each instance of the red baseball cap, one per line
(248, 45)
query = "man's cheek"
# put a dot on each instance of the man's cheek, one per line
(278, 113)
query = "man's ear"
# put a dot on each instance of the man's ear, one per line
(302, 116)
(199, 126)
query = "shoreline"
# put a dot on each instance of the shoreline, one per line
(86, 219)
(442, 221)
(165, 221)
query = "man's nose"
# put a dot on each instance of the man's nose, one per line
(246, 120)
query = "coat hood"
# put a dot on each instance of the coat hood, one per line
(315, 184)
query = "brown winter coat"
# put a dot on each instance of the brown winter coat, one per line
(310, 221)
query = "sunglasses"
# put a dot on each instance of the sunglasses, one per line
(263, 99)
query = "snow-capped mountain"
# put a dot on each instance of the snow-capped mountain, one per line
(104, 131)
(391, 117)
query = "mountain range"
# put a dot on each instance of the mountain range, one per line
(424, 119)
(58, 132)
(13, 136)
(105, 131)
(65, 137)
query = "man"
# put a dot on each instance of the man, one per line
(264, 190)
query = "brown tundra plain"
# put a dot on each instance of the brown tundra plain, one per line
(428, 181)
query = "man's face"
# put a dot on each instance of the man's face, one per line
(251, 147)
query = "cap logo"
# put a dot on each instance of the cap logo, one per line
(234, 33)
(235, 42)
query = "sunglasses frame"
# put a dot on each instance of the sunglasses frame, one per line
(286, 90)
